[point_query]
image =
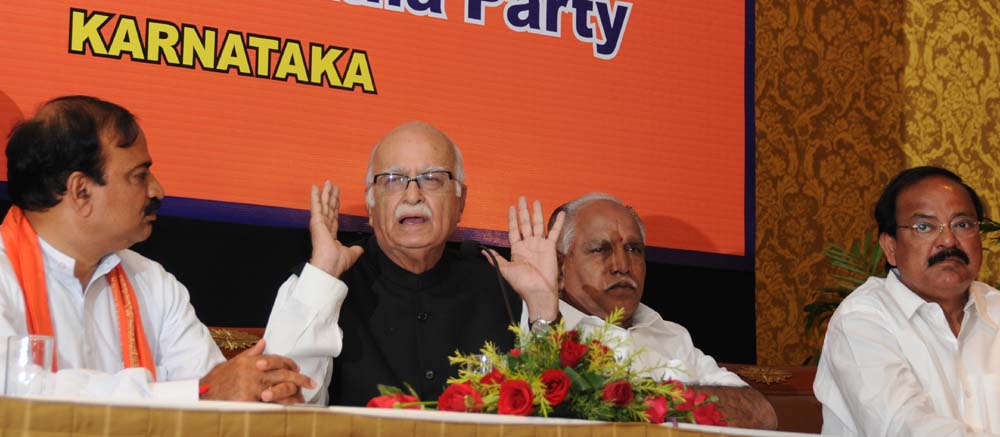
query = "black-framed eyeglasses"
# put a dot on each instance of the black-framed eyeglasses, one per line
(434, 180)
(960, 227)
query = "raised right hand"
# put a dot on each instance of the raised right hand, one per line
(328, 254)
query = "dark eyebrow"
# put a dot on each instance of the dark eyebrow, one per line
(145, 165)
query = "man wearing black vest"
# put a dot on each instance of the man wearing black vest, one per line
(409, 302)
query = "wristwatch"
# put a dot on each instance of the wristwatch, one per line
(542, 326)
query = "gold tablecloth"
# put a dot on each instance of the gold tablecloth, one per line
(26, 417)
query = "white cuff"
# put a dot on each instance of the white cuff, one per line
(183, 391)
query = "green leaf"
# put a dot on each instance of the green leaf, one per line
(388, 390)
(578, 382)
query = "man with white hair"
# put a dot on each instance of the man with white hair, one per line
(408, 301)
(601, 257)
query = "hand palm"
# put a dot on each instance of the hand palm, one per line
(533, 267)
(328, 254)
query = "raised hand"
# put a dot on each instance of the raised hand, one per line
(533, 269)
(252, 376)
(328, 254)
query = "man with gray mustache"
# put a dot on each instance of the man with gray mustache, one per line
(411, 301)
(601, 257)
(917, 353)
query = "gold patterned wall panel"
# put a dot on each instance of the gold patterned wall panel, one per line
(848, 93)
(829, 129)
(952, 92)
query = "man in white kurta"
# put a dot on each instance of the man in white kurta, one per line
(667, 351)
(595, 264)
(915, 354)
(891, 365)
(83, 192)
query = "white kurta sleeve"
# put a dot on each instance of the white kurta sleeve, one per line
(304, 326)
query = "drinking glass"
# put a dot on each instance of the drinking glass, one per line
(28, 361)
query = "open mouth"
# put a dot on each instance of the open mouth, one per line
(622, 287)
(413, 220)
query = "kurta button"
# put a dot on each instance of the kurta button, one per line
(422, 316)
(429, 374)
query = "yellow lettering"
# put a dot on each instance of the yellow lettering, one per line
(194, 44)
(264, 45)
(292, 62)
(233, 54)
(84, 30)
(177, 44)
(162, 38)
(359, 73)
(323, 63)
(126, 39)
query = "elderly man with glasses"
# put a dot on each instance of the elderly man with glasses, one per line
(917, 353)
(406, 302)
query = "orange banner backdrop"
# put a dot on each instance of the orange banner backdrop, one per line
(251, 102)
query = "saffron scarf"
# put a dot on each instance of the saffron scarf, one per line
(25, 254)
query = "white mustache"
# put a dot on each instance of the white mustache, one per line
(409, 210)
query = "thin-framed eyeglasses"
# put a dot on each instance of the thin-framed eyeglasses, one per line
(960, 227)
(434, 180)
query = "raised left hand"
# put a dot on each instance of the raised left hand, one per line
(533, 269)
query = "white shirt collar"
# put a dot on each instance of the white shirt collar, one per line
(62, 265)
(909, 301)
(642, 317)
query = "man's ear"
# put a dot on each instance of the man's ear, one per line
(888, 244)
(79, 193)
(562, 278)
(461, 200)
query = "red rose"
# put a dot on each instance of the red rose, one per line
(515, 398)
(618, 393)
(391, 401)
(494, 377)
(556, 386)
(460, 397)
(515, 352)
(572, 335)
(709, 414)
(656, 410)
(571, 352)
(678, 386)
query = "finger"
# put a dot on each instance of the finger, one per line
(279, 392)
(325, 198)
(335, 198)
(272, 362)
(486, 254)
(280, 376)
(334, 208)
(255, 350)
(501, 261)
(513, 234)
(355, 252)
(292, 400)
(557, 226)
(314, 204)
(537, 222)
(522, 214)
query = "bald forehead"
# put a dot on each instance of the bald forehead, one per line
(605, 215)
(414, 145)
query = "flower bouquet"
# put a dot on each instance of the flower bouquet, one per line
(562, 373)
